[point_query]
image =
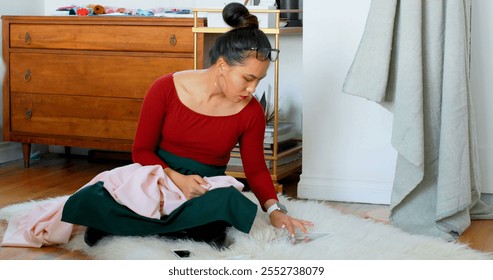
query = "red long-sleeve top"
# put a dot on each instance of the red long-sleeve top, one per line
(167, 123)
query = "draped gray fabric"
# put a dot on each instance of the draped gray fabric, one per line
(413, 59)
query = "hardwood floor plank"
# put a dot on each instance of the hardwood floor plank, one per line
(479, 235)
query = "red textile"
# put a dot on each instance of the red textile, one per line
(167, 123)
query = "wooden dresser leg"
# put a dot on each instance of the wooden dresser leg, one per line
(26, 153)
(67, 152)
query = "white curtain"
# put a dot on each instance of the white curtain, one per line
(413, 59)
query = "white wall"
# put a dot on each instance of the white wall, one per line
(347, 155)
(482, 85)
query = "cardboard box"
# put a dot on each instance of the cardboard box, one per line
(265, 20)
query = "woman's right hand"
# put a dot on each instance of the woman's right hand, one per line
(191, 185)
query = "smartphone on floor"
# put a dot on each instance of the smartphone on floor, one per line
(181, 253)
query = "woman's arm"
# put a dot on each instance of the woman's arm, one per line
(252, 155)
(258, 175)
(152, 115)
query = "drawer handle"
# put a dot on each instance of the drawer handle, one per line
(28, 114)
(172, 40)
(27, 75)
(27, 38)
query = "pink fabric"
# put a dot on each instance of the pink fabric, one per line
(40, 226)
(146, 190)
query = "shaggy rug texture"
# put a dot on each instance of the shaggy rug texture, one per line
(350, 238)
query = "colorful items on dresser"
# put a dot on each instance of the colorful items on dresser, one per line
(94, 9)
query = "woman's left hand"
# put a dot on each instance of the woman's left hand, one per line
(280, 220)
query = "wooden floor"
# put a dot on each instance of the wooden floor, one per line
(53, 175)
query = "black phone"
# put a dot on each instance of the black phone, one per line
(181, 253)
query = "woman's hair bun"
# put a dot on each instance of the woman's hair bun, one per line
(237, 15)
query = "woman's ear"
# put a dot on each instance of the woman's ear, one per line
(221, 65)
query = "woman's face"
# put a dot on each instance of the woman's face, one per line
(241, 80)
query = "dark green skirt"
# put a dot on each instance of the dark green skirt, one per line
(94, 207)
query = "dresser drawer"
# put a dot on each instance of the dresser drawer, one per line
(100, 37)
(90, 74)
(54, 115)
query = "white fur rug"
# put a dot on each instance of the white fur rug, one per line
(350, 238)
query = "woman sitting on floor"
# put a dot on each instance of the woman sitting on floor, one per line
(189, 123)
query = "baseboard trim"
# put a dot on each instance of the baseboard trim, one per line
(10, 151)
(487, 197)
(345, 190)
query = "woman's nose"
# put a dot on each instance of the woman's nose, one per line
(250, 89)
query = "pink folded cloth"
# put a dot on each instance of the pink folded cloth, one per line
(148, 191)
(40, 226)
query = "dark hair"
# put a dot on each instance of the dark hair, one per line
(233, 45)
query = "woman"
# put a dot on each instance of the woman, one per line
(189, 123)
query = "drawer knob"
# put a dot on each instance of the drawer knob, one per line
(28, 114)
(172, 39)
(27, 38)
(27, 75)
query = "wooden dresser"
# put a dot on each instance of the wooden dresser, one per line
(79, 81)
